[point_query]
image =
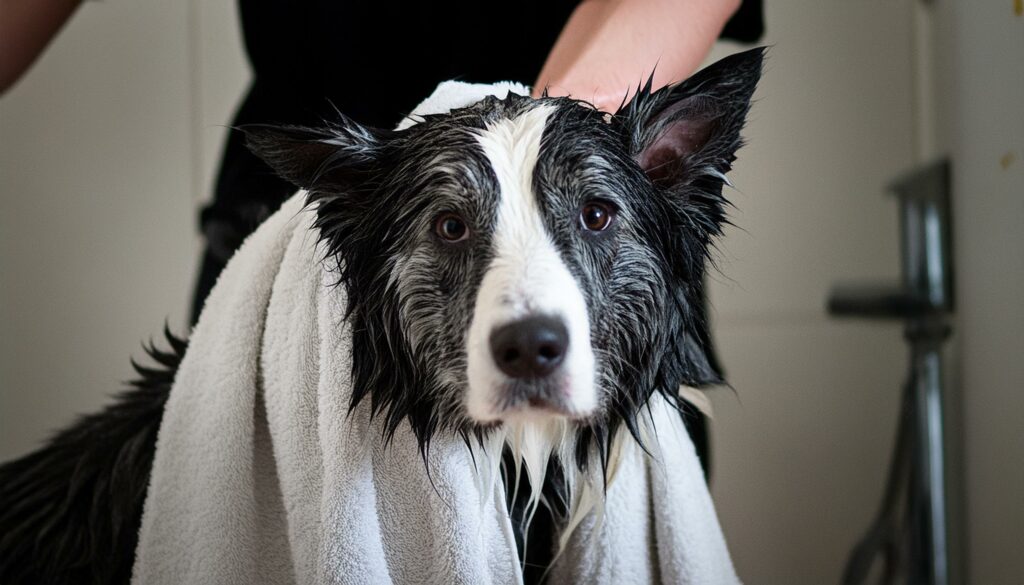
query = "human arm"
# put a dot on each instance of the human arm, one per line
(26, 27)
(609, 47)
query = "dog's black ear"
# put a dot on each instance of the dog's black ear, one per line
(691, 130)
(335, 155)
(685, 138)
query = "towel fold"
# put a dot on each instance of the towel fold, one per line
(263, 475)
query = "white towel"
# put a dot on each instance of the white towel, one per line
(262, 475)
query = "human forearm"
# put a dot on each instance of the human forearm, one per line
(608, 47)
(26, 26)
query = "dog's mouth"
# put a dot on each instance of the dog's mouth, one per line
(537, 405)
(534, 399)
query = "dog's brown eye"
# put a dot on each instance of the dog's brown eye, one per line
(596, 216)
(450, 228)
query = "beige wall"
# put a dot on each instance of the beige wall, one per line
(95, 211)
(979, 48)
(853, 94)
(107, 147)
(802, 443)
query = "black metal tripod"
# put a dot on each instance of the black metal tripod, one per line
(912, 530)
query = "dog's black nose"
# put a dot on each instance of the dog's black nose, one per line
(530, 348)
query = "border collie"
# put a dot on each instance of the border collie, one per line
(522, 266)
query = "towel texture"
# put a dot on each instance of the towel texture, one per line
(262, 475)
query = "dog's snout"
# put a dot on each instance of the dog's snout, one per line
(530, 348)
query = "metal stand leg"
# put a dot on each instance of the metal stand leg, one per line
(929, 521)
(912, 529)
(885, 533)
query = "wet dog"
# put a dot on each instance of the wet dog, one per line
(526, 267)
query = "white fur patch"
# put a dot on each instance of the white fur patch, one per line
(527, 277)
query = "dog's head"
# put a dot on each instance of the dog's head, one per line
(525, 259)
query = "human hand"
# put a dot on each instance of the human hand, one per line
(608, 48)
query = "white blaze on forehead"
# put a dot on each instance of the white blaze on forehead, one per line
(512, 147)
(527, 276)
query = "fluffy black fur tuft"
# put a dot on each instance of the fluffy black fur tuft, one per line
(70, 512)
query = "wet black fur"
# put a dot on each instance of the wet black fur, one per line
(70, 512)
